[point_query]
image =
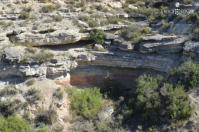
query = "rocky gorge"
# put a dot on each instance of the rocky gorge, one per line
(47, 46)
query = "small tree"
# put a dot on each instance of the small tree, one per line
(178, 107)
(97, 36)
(14, 124)
(155, 99)
(86, 102)
(187, 74)
(148, 98)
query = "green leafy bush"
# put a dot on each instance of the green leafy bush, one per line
(47, 116)
(14, 124)
(48, 8)
(97, 36)
(178, 104)
(9, 107)
(43, 56)
(148, 97)
(187, 74)
(156, 99)
(57, 18)
(5, 24)
(24, 15)
(134, 33)
(85, 102)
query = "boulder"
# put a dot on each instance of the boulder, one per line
(110, 36)
(13, 54)
(99, 47)
(115, 4)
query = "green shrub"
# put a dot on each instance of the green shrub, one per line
(58, 94)
(92, 23)
(113, 20)
(178, 104)
(57, 18)
(153, 96)
(148, 98)
(97, 36)
(101, 8)
(43, 56)
(89, 21)
(14, 124)
(85, 102)
(187, 74)
(30, 82)
(27, 9)
(32, 91)
(9, 90)
(48, 8)
(165, 25)
(47, 116)
(9, 107)
(134, 33)
(5, 24)
(33, 95)
(83, 18)
(41, 127)
(24, 15)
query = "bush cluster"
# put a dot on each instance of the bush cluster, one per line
(156, 100)
(187, 74)
(48, 8)
(14, 124)
(24, 15)
(86, 102)
(134, 33)
(97, 36)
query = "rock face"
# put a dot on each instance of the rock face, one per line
(13, 54)
(181, 28)
(53, 38)
(123, 45)
(162, 63)
(161, 44)
(13, 65)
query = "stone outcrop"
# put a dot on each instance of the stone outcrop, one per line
(123, 45)
(161, 44)
(162, 63)
(53, 38)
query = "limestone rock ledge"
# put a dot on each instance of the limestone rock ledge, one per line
(61, 65)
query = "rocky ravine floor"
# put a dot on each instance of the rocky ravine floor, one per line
(42, 45)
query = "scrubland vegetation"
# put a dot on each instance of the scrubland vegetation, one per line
(87, 102)
(155, 99)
